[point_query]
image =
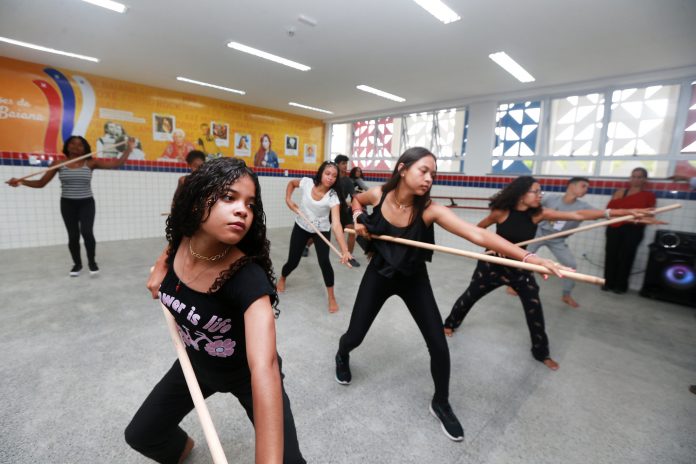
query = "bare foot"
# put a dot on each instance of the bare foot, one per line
(567, 299)
(280, 286)
(551, 364)
(510, 291)
(333, 306)
(187, 450)
(449, 332)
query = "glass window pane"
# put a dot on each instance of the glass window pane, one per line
(517, 128)
(568, 167)
(576, 123)
(512, 166)
(372, 142)
(642, 120)
(623, 167)
(689, 140)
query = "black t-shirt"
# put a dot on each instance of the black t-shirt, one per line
(212, 325)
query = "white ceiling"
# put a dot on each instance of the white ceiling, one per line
(393, 45)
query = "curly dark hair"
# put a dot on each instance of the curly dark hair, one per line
(507, 199)
(354, 173)
(192, 204)
(85, 145)
(336, 187)
(410, 156)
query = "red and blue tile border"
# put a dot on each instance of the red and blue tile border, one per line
(662, 189)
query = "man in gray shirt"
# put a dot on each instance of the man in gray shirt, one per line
(570, 201)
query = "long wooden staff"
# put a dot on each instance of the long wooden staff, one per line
(211, 436)
(56, 166)
(318, 232)
(628, 217)
(483, 257)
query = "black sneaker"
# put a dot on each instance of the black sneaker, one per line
(305, 252)
(342, 370)
(75, 271)
(93, 268)
(450, 425)
(354, 262)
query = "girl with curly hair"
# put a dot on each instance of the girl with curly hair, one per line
(217, 281)
(516, 210)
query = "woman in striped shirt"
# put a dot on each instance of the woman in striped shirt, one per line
(76, 201)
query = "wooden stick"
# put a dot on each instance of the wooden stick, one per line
(484, 257)
(211, 436)
(318, 232)
(662, 209)
(56, 166)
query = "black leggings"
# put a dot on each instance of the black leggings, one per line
(78, 216)
(487, 277)
(620, 252)
(298, 240)
(416, 292)
(154, 430)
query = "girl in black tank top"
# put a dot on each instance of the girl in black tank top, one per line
(516, 210)
(402, 208)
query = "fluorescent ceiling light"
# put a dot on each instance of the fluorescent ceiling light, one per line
(380, 93)
(109, 5)
(268, 56)
(511, 66)
(439, 10)
(205, 84)
(49, 50)
(309, 108)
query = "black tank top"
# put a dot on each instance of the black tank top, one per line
(518, 227)
(392, 258)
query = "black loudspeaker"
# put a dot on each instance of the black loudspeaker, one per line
(671, 272)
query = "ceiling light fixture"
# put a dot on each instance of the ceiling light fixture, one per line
(380, 93)
(109, 5)
(49, 50)
(299, 105)
(205, 84)
(268, 56)
(511, 66)
(438, 9)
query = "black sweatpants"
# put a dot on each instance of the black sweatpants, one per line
(78, 216)
(298, 240)
(619, 254)
(487, 277)
(416, 292)
(154, 430)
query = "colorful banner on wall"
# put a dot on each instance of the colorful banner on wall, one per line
(41, 106)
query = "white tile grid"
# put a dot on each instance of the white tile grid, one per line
(130, 205)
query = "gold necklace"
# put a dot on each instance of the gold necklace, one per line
(401, 207)
(217, 257)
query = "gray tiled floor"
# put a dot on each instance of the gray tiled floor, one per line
(80, 355)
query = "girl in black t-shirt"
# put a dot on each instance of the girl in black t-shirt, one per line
(402, 208)
(217, 281)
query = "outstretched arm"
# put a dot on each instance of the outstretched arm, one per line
(358, 204)
(590, 214)
(39, 183)
(108, 164)
(449, 221)
(266, 391)
(338, 233)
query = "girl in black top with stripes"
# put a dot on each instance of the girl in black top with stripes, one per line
(76, 201)
(402, 208)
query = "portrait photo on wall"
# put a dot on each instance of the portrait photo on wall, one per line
(242, 144)
(291, 144)
(265, 157)
(221, 132)
(310, 153)
(163, 126)
(113, 142)
(206, 141)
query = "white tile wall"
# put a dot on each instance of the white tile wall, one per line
(130, 205)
